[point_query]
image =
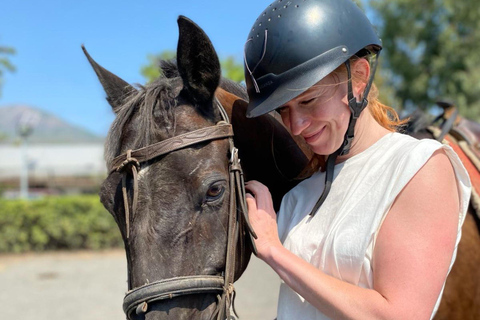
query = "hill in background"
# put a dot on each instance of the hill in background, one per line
(47, 127)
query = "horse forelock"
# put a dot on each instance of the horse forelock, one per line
(149, 103)
(145, 106)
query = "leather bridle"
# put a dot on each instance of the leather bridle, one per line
(137, 300)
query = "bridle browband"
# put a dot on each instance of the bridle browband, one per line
(137, 300)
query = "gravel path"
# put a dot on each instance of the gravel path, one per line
(91, 286)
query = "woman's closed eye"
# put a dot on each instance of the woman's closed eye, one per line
(309, 101)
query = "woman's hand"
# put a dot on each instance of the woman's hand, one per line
(262, 217)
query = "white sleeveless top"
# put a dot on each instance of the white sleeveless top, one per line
(340, 239)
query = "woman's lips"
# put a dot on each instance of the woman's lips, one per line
(311, 138)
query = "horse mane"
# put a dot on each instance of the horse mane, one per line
(154, 104)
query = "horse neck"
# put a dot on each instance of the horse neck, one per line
(230, 101)
(227, 100)
(268, 151)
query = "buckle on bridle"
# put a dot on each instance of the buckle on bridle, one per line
(234, 156)
(128, 161)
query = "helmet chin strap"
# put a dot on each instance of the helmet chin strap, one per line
(356, 108)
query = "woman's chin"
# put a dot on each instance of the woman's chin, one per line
(325, 149)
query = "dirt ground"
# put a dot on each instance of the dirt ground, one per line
(90, 286)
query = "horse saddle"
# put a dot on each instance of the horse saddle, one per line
(458, 127)
(468, 131)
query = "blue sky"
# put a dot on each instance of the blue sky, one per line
(54, 75)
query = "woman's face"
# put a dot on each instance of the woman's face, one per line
(320, 115)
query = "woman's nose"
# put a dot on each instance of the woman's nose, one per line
(298, 121)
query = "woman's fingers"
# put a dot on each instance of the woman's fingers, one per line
(251, 202)
(262, 195)
(262, 217)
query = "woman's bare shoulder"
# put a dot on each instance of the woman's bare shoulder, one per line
(416, 241)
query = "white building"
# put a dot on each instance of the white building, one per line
(71, 167)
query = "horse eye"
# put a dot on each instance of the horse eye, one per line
(215, 192)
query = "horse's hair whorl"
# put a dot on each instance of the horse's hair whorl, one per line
(169, 68)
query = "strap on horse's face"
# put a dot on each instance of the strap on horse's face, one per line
(138, 299)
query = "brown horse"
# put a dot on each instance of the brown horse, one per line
(461, 298)
(172, 187)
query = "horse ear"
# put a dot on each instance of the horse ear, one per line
(197, 61)
(115, 88)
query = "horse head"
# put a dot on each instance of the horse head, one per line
(173, 208)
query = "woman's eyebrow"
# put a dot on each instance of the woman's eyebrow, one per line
(315, 93)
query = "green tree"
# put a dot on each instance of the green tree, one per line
(5, 64)
(231, 69)
(431, 49)
(151, 71)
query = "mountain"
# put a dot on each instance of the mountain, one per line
(46, 127)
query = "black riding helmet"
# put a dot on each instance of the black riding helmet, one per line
(296, 43)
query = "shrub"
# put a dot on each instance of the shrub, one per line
(69, 222)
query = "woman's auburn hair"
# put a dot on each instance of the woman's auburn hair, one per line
(386, 116)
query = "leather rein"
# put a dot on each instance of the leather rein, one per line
(137, 300)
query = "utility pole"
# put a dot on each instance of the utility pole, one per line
(24, 131)
(25, 125)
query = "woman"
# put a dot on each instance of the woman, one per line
(375, 235)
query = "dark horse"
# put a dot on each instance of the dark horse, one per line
(461, 298)
(172, 208)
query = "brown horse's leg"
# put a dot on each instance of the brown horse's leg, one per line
(461, 298)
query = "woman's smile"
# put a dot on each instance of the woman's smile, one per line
(311, 138)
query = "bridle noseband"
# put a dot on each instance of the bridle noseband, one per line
(138, 299)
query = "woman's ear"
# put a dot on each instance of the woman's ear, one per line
(360, 76)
